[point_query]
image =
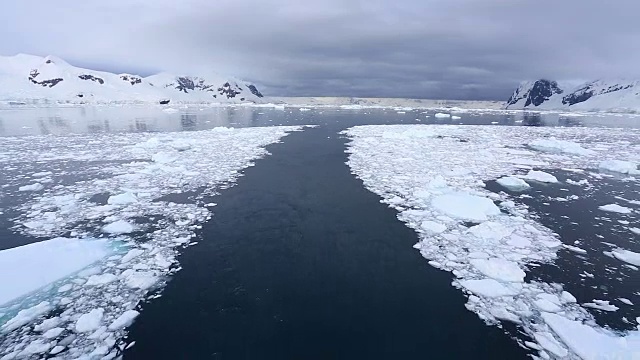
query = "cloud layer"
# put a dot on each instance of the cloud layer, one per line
(462, 49)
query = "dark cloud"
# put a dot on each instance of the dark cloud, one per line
(465, 49)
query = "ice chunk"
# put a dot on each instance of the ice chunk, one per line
(53, 333)
(32, 187)
(487, 287)
(540, 176)
(560, 146)
(549, 343)
(140, 279)
(513, 183)
(601, 305)
(627, 256)
(624, 167)
(433, 227)
(575, 249)
(35, 347)
(122, 199)
(44, 262)
(442, 115)
(465, 206)
(635, 230)
(616, 209)
(454, 117)
(132, 254)
(118, 227)
(589, 343)
(90, 321)
(499, 269)
(124, 320)
(26, 316)
(101, 279)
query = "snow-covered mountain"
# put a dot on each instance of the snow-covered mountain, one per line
(599, 95)
(34, 79)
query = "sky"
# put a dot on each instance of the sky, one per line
(439, 49)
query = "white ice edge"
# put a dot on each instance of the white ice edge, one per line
(96, 284)
(412, 166)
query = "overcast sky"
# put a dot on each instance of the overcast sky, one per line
(456, 49)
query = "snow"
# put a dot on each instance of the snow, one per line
(44, 262)
(615, 208)
(620, 166)
(124, 269)
(32, 187)
(489, 258)
(124, 320)
(466, 207)
(540, 176)
(627, 256)
(118, 227)
(89, 321)
(560, 146)
(513, 183)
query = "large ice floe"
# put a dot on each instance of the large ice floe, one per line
(434, 176)
(110, 235)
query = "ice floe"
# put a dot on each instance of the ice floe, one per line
(123, 236)
(620, 166)
(615, 208)
(487, 240)
(513, 183)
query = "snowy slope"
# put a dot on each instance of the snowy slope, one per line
(599, 95)
(34, 79)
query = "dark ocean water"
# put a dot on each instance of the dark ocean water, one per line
(300, 261)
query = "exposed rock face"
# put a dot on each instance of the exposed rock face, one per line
(600, 95)
(92, 78)
(132, 79)
(44, 83)
(535, 94)
(591, 89)
(254, 91)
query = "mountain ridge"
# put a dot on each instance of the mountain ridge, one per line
(33, 79)
(618, 95)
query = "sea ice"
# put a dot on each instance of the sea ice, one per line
(615, 208)
(499, 269)
(32, 187)
(487, 287)
(118, 227)
(619, 166)
(89, 321)
(513, 183)
(442, 115)
(627, 256)
(122, 199)
(401, 163)
(540, 176)
(465, 206)
(124, 320)
(560, 146)
(44, 262)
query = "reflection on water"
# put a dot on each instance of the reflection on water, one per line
(64, 121)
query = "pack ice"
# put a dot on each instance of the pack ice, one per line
(74, 296)
(488, 240)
